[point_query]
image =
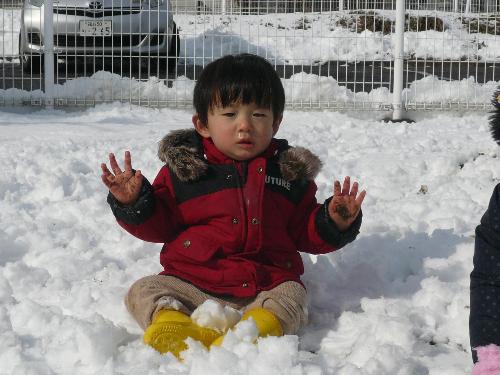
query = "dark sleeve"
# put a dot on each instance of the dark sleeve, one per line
(138, 212)
(484, 321)
(328, 231)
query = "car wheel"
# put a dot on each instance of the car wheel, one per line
(29, 63)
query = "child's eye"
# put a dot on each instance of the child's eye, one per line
(228, 114)
(259, 114)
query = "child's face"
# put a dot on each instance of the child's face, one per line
(240, 131)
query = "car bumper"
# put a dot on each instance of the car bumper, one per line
(141, 33)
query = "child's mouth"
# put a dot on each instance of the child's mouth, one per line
(245, 143)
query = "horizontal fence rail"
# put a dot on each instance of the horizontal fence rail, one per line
(387, 55)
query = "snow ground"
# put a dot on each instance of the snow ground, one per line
(395, 301)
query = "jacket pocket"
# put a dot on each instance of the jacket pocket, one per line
(190, 247)
(286, 260)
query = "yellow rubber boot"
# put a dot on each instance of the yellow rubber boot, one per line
(267, 324)
(170, 328)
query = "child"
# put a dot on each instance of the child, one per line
(484, 319)
(233, 207)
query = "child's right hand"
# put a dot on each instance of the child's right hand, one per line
(125, 186)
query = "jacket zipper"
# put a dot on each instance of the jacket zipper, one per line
(241, 198)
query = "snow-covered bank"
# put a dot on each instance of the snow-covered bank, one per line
(299, 88)
(315, 38)
(393, 302)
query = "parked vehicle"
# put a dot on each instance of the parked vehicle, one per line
(116, 29)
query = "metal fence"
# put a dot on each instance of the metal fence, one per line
(338, 54)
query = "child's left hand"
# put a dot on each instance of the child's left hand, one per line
(344, 206)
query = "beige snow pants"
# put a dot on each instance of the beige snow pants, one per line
(152, 293)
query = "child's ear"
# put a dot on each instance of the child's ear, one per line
(200, 126)
(277, 124)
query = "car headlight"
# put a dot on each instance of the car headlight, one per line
(36, 3)
(153, 3)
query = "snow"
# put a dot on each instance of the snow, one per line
(213, 315)
(395, 301)
(300, 88)
(314, 38)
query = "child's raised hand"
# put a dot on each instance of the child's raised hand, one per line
(125, 186)
(345, 204)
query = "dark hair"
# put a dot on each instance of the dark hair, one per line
(241, 78)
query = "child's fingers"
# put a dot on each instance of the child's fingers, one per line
(336, 188)
(347, 185)
(105, 169)
(128, 162)
(360, 198)
(354, 190)
(136, 182)
(107, 175)
(138, 176)
(114, 165)
(106, 182)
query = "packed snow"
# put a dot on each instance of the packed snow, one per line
(315, 38)
(395, 301)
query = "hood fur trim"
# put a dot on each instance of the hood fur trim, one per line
(495, 117)
(182, 151)
(298, 163)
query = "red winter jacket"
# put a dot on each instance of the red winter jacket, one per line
(230, 227)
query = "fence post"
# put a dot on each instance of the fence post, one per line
(397, 94)
(467, 7)
(48, 53)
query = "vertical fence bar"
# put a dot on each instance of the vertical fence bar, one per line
(48, 53)
(467, 6)
(449, 58)
(397, 95)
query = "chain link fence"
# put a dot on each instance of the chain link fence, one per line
(336, 54)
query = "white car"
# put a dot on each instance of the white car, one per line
(117, 29)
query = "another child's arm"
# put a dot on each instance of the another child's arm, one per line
(144, 210)
(484, 319)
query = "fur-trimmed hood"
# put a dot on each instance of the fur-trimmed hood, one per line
(495, 117)
(182, 151)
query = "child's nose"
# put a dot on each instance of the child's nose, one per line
(245, 123)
